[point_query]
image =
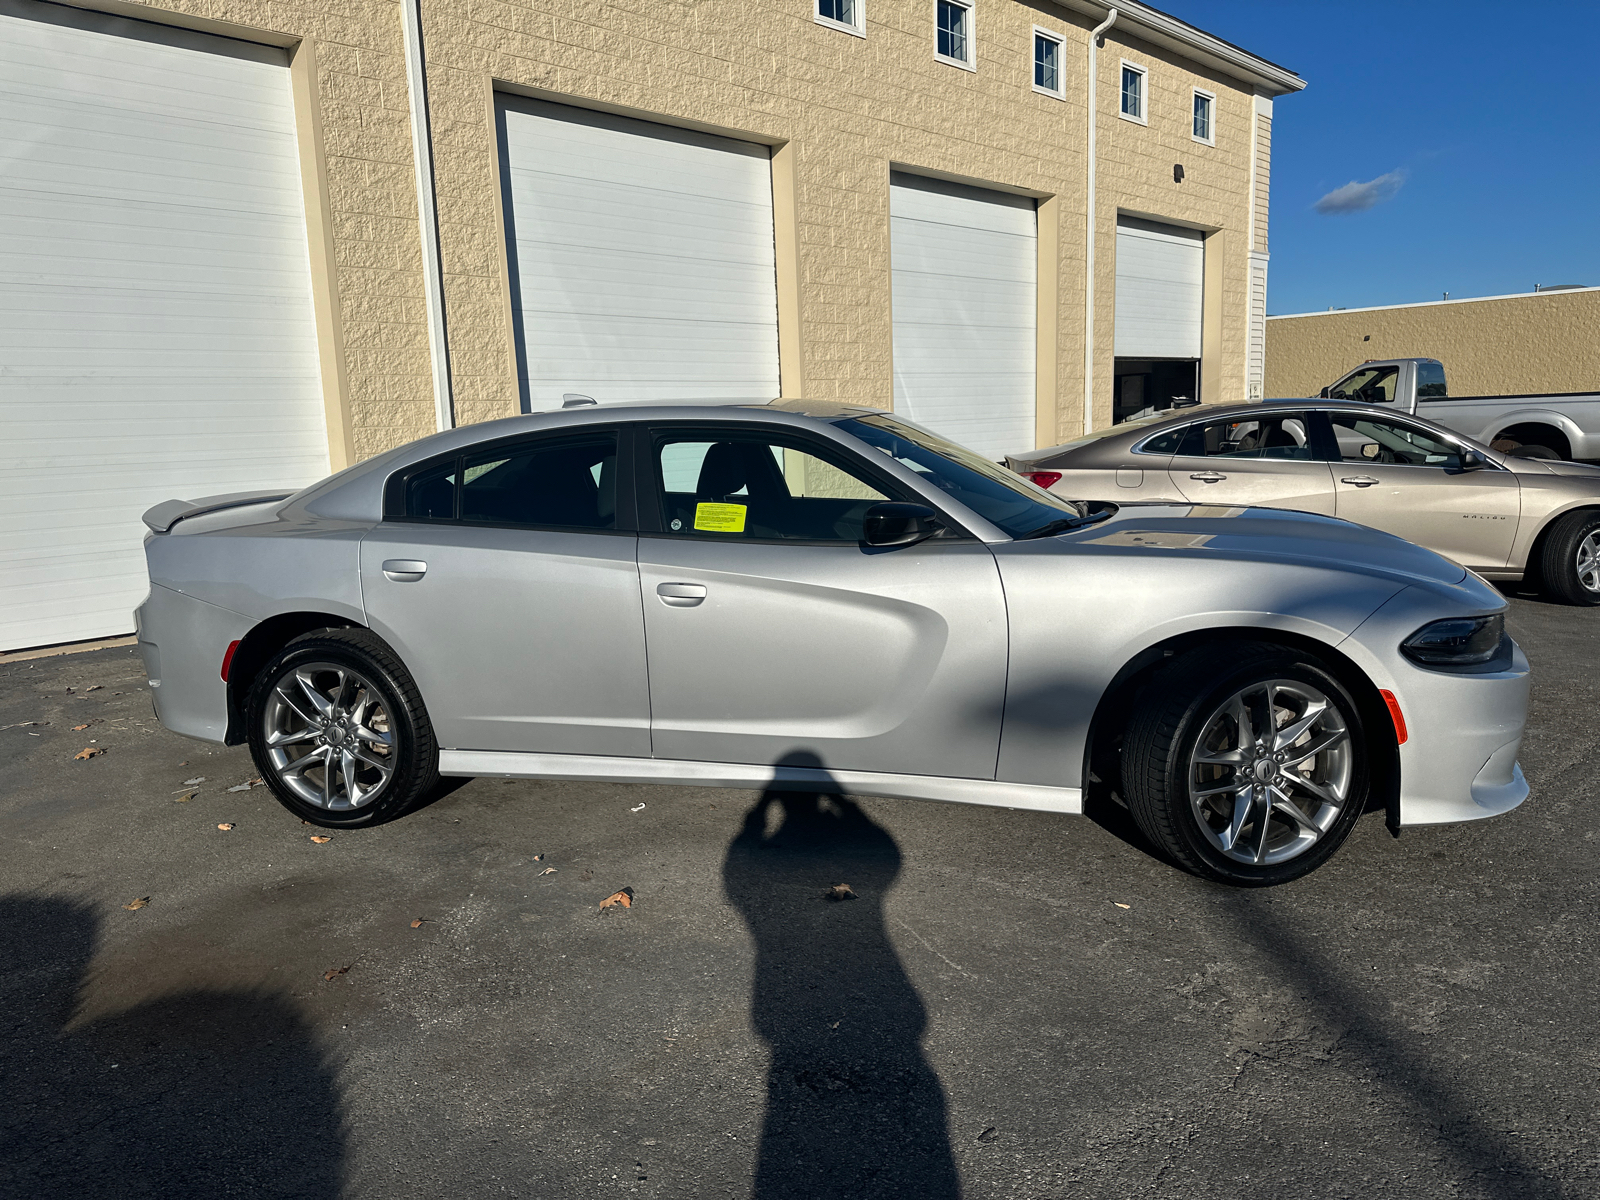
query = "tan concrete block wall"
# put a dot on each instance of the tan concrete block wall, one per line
(1547, 342)
(850, 107)
(1135, 175)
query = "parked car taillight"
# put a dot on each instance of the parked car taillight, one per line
(1044, 478)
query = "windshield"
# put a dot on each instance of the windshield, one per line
(1005, 499)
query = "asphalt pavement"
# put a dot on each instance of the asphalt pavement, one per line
(1013, 1005)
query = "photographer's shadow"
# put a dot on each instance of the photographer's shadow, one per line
(853, 1108)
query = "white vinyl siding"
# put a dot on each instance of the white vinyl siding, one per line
(642, 257)
(1160, 287)
(1256, 331)
(963, 272)
(157, 338)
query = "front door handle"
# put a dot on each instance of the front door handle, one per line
(404, 570)
(681, 595)
(1359, 480)
(1208, 477)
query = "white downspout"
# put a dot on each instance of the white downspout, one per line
(428, 217)
(1095, 35)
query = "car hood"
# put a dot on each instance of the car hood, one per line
(1262, 535)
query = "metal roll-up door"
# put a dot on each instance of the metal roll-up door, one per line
(642, 258)
(157, 338)
(1160, 286)
(964, 276)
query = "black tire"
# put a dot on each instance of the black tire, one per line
(1180, 704)
(1534, 450)
(1559, 559)
(411, 754)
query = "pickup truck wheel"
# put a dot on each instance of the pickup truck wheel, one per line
(1569, 563)
(1532, 450)
(1246, 763)
(338, 730)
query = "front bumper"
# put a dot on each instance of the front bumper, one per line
(182, 641)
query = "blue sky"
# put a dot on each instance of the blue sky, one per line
(1481, 123)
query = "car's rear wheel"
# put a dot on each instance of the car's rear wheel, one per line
(1246, 763)
(339, 732)
(1569, 563)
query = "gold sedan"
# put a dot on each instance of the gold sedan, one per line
(1502, 516)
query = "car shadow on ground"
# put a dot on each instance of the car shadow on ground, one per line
(853, 1107)
(200, 1093)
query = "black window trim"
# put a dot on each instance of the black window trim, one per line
(649, 485)
(626, 521)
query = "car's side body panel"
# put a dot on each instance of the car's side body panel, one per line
(867, 659)
(519, 639)
(183, 642)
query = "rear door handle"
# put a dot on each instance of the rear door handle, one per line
(1211, 477)
(404, 570)
(681, 595)
(1359, 480)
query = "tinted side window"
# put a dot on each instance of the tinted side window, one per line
(1165, 443)
(571, 483)
(431, 495)
(1430, 381)
(1279, 436)
(746, 485)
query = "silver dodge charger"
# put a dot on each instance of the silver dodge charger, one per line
(828, 599)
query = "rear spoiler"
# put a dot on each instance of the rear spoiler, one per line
(169, 512)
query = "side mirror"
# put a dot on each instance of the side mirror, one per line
(1325, 394)
(896, 523)
(1471, 460)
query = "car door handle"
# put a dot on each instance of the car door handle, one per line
(681, 595)
(1359, 480)
(1208, 477)
(404, 570)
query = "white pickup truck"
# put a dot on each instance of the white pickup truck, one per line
(1565, 425)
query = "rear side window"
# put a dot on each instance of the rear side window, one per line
(1430, 381)
(1165, 443)
(1278, 435)
(563, 483)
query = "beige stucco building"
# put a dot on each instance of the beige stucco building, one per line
(1536, 343)
(354, 224)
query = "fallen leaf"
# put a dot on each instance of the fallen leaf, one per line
(195, 780)
(136, 905)
(547, 871)
(240, 787)
(624, 899)
(538, 858)
(185, 798)
(839, 891)
(989, 1134)
(319, 838)
(417, 924)
(94, 687)
(225, 826)
(183, 764)
(79, 728)
(336, 972)
(637, 808)
(1120, 904)
(586, 876)
(20, 724)
(88, 752)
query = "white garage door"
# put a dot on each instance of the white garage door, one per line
(1160, 283)
(642, 258)
(156, 329)
(964, 272)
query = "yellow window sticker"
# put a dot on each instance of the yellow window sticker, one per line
(719, 518)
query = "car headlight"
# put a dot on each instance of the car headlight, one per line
(1456, 641)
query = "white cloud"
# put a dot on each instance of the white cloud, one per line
(1358, 197)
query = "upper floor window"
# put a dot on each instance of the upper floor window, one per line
(842, 14)
(1204, 128)
(955, 33)
(1133, 101)
(1047, 63)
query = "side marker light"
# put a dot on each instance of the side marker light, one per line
(227, 661)
(1396, 716)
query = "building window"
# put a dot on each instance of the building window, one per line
(1047, 63)
(954, 19)
(842, 14)
(1133, 102)
(1204, 128)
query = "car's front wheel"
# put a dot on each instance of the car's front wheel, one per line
(1569, 564)
(339, 732)
(1246, 763)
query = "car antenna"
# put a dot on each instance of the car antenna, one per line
(576, 400)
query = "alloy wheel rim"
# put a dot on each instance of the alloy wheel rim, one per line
(1271, 772)
(1587, 562)
(328, 736)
